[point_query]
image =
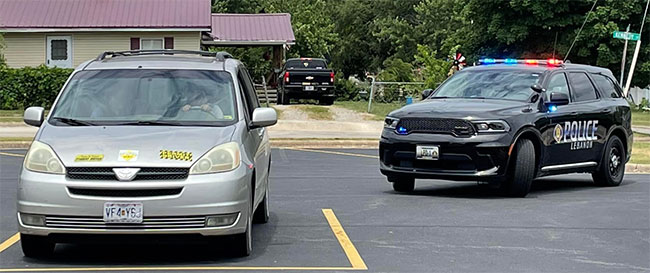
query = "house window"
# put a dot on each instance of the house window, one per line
(151, 44)
(59, 49)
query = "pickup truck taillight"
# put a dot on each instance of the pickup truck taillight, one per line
(331, 76)
(286, 77)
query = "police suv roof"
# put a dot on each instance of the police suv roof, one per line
(541, 67)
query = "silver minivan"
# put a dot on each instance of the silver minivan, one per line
(159, 142)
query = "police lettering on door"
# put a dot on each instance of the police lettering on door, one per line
(580, 134)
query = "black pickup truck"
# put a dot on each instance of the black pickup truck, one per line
(306, 78)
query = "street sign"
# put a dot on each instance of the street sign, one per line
(626, 35)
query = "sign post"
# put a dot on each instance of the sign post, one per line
(623, 59)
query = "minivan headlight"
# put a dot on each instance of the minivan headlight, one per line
(492, 126)
(41, 158)
(223, 158)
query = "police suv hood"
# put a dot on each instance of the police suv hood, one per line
(119, 144)
(462, 109)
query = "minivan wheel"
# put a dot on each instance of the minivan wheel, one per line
(262, 213)
(403, 184)
(612, 164)
(523, 170)
(36, 246)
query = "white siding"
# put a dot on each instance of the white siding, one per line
(24, 49)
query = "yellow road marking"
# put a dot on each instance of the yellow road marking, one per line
(9, 242)
(350, 251)
(332, 152)
(10, 154)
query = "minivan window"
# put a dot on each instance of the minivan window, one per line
(489, 84)
(606, 86)
(147, 97)
(583, 89)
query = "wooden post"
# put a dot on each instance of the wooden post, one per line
(276, 63)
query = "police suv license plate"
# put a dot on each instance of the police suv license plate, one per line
(309, 88)
(123, 212)
(427, 152)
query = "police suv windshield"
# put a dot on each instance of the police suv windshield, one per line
(147, 97)
(489, 84)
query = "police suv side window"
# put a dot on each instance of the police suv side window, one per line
(606, 86)
(558, 84)
(583, 89)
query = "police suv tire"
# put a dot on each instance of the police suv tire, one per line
(403, 184)
(261, 215)
(36, 246)
(605, 176)
(523, 169)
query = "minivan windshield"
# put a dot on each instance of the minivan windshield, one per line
(147, 97)
(489, 84)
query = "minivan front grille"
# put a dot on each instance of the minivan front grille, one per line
(93, 222)
(456, 127)
(125, 193)
(106, 173)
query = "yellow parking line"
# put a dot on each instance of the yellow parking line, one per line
(10, 154)
(349, 249)
(332, 152)
(9, 242)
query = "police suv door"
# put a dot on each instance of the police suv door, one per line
(588, 128)
(569, 136)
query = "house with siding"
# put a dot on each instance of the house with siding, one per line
(65, 33)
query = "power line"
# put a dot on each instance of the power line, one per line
(583, 25)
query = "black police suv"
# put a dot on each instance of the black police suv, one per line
(509, 121)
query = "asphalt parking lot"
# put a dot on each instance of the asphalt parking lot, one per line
(564, 225)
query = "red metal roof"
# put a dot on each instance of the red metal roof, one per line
(24, 14)
(252, 27)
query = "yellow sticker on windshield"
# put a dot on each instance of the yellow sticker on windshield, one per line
(89, 158)
(175, 155)
(227, 117)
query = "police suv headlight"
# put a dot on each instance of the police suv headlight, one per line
(492, 126)
(41, 158)
(223, 158)
(390, 122)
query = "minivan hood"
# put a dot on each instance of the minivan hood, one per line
(461, 108)
(74, 142)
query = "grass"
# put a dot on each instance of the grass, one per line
(640, 118)
(16, 139)
(317, 112)
(379, 110)
(11, 115)
(640, 153)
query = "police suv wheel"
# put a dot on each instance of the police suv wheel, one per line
(403, 184)
(523, 169)
(612, 165)
(36, 246)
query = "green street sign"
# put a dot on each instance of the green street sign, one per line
(626, 35)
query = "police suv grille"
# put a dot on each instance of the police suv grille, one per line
(106, 173)
(456, 127)
(126, 193)
(92, 222)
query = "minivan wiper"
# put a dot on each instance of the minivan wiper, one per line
(75, 122)
(151, 122)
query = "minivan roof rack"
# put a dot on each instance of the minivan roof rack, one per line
(220, 56)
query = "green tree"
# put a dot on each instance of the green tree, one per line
(396, 70)
(435, 69)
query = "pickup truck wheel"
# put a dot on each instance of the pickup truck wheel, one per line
(326, 101)
(523, 170)
(36, 246)
(612, 165)
(403, 184)
(284, 98)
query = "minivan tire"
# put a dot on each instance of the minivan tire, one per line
(522, 169)
(36, 246)
(243, 243)
(612, 164)
(261, 215)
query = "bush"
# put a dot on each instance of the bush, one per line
(30, 86)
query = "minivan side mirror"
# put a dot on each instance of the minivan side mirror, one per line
(264, 116)
(426, 93)
(558, 98)
(34, 116)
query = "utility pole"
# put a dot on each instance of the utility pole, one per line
(636, 52)
(623, 60)
(372, 91)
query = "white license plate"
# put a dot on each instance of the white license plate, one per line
(309, 88)
(427, 152)
(122, 212)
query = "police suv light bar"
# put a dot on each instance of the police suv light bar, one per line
(555, 62)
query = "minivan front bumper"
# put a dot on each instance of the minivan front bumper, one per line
(173, 212)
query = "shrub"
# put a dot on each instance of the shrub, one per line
(30, 86)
